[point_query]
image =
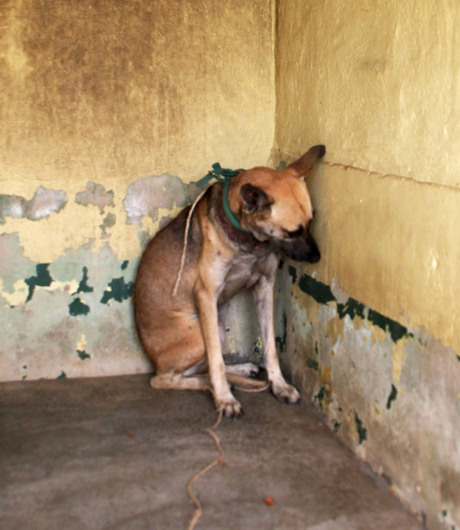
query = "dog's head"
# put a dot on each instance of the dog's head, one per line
(275, 206)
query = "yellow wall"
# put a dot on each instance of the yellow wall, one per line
(372, 330)
(110, 92)
(378, 83)
(108, 111)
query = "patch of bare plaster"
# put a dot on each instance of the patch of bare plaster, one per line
(43, 204)
(95, 194)
(341, 296)
(147, 195)
(53, 320)
(391, 393)
(13, 264)
(108, 222)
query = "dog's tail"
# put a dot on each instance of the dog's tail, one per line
(247, 383)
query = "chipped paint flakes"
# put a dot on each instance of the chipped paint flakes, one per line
(393, 395)
(117, 290)
(83, 286)
(81, 349)
(95, 194)
(18, 295)
(43, 203)
(347, 306)
(360, 429)
(398, 357)
(81, 344)
(382, 373)
(98, 216)
(77, 308)
(147, 195)
(24, 289)
(42, 278)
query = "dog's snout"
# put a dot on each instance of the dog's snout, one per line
(300, 249)
(314, 255)
(296, 233)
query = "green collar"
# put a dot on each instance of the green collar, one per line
(224, 176)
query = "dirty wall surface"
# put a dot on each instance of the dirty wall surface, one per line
(372, 331)
(109, 111)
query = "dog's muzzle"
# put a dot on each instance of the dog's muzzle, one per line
(300, 249)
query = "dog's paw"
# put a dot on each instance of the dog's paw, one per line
(285, 392)
(230, 408)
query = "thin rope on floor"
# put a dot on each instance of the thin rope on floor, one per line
(210, 430)
(199, 510)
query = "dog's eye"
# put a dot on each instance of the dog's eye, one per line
(295, 233)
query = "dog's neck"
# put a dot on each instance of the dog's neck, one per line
(244, 240)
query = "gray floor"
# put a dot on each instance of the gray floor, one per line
(113, 453)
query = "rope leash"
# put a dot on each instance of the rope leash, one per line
(199, 510)
(220, 460)
(184, 246)
(224, 176)
(221, 175)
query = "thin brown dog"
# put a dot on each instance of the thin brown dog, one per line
(182, 333)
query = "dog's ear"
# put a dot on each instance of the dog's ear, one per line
(255, 199)
(306, 162)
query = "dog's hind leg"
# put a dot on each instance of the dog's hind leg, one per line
(243, 369)
(174, 381)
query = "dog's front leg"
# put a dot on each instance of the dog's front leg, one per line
(206, 297)
(263, 294)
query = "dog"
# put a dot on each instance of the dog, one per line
(206, 260)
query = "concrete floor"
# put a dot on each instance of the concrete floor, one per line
(112, 453)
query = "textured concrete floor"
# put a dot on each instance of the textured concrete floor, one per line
(113, 453)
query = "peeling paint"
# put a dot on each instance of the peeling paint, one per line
(95, 194)
(118, 290)
(77, 308)
(70, 136)
(81, 344)
(43, 203)
(323, 294)
(147, 195)
(41, 279)
(109, 221)
(18, 295)
(398, 357)
(393, 395)
(389, 392)
(83, 286)
(360, 429)
(53, 328)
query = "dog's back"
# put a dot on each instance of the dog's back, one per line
(166, 322)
